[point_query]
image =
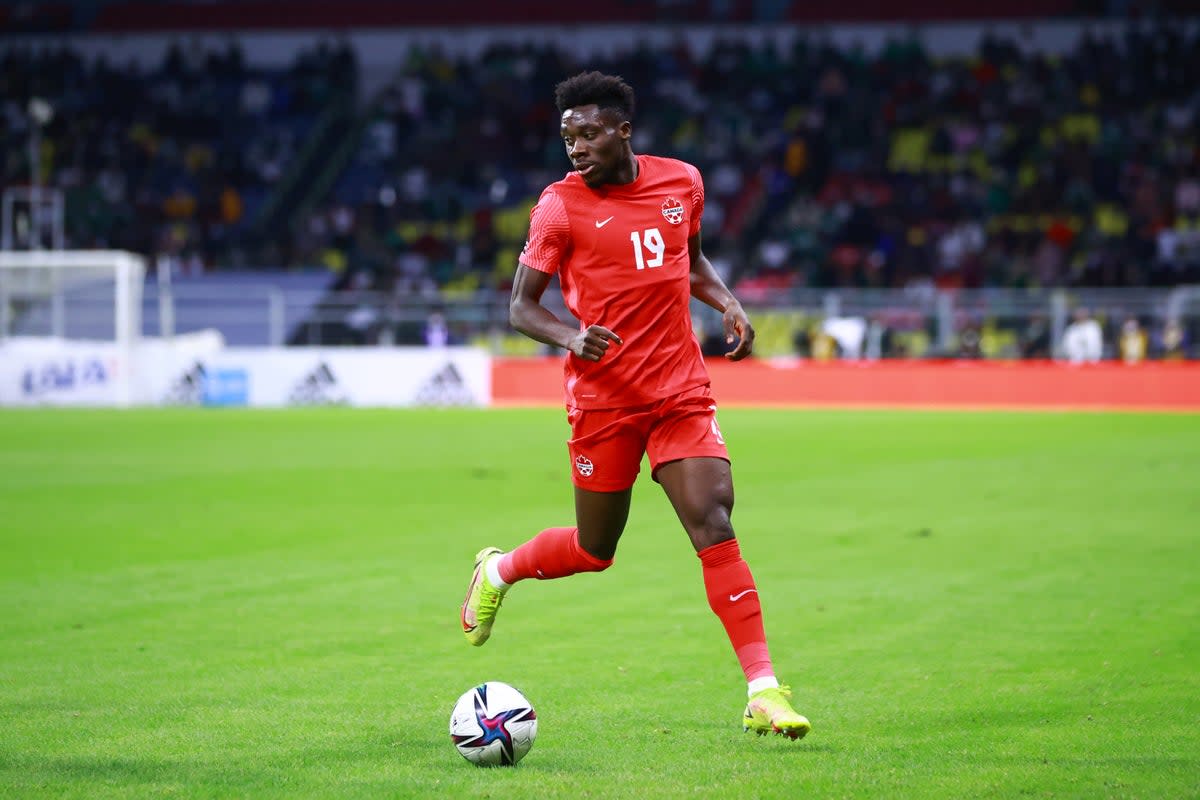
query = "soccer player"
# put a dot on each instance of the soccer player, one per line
(622, 231)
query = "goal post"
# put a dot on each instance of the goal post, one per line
(71, 302)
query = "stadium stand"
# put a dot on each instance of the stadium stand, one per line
(1005, 169)
(182, 159)
(828, 164)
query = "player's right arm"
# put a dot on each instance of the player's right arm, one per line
(544, 252)
(527, 314)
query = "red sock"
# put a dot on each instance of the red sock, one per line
(553, 553)
(733, 597)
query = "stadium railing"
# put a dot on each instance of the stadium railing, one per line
(267, 309)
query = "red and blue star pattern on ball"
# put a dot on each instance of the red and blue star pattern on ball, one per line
(495, 728)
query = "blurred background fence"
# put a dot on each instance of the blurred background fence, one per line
(305, 309)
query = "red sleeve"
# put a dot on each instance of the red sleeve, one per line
(549, 234)
(697, 200)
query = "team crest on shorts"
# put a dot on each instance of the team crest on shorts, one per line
(584, 465)
(673, 210)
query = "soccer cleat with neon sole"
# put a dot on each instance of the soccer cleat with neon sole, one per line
(770, 711)
(482, 601)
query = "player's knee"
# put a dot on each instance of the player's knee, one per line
(711, 527)
(717, 519)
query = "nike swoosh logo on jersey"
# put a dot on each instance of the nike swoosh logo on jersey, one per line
(600, 224)
(733, 598)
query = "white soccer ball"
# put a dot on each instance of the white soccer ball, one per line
(493, 725)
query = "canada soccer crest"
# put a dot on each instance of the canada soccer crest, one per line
(584, 465)
(673, 210)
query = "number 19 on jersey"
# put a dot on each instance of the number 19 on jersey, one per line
(648, 240)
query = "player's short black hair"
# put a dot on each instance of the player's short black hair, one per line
(586, 88)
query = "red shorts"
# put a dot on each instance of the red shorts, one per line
(607, 445)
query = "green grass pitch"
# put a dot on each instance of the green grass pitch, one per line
(202, 603)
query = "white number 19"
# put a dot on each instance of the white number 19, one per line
(649, 239)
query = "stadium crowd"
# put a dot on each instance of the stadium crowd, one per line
(881, 170)
(179, 159)
(825, 166)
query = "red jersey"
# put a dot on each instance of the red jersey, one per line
(621, 254)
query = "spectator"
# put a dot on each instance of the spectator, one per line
(437, 333)
(1173, 343)
(1132, 343)
(1035, 338)
(1083, 341)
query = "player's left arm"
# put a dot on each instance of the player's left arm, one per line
(708, 288)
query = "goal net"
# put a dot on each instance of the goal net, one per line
(69, 325)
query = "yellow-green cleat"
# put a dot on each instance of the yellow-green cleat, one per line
(482, 602)
(770, 711)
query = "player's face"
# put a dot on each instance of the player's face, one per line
(597, 144)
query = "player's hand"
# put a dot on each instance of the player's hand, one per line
(737, 327)
(592, 343)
